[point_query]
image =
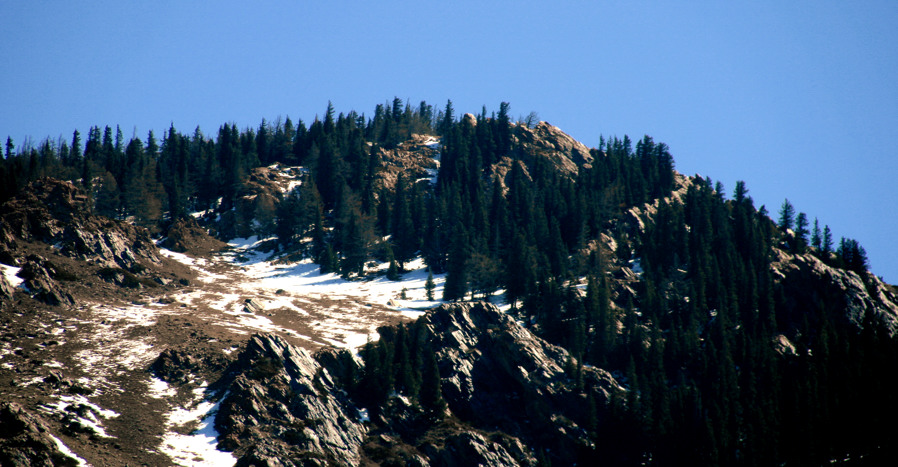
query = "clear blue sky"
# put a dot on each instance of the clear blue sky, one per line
(799, 99)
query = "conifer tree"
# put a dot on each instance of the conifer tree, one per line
(404, 234)
(816, 235)
(429, 286)
(827, 241)
(10, 147)
(431, 386)
(801, 232)
(76, 148)
(393, 269)
(787, 215)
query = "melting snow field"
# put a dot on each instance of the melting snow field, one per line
(304, 278)
(335, 311)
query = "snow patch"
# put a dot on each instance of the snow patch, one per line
(158, 389)
(199, 448)
(80, 410)
(10, 273)
(68, 452)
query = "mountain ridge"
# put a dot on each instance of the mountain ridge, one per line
(655, 276)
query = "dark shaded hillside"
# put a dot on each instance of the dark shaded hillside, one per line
(662, 321)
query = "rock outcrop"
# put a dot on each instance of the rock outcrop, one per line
(25, 440)
(808, 280)
(497, 375)
(255, 208)
(509, 395)
(49, 231)
(58, 213)
(548, 141)
(6, 289)
(283, 408)
(187, 236)
(38, 275)
(417, 158)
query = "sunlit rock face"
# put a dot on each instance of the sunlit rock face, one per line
(283, 406)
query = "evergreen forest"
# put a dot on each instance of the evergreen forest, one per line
(667, 282)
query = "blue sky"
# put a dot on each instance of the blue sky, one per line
(799, 99)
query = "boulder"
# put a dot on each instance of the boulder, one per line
(174, 366)
(40, 283)
(251, 305)
(6, 289)
(186, 236)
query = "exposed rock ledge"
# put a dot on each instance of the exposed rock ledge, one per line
(283, 408)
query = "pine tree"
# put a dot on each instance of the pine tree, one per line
(404, 236)
(448, 120)
(429, 285)
(801, 232)
(10, 147)
(827, 242)
(787, 215)
(393, 269)
(456, 285)
(354, 233)
(816, 235)
(431, 394)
